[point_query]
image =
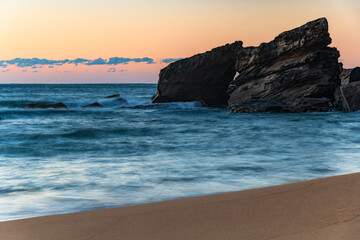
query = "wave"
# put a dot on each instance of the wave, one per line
(174, 105)
(116, 103)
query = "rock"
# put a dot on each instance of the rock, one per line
(43, 106)
(204, 77)
(113, 96)
(95, 104)
(118, 98)
(257, 106)
(308, 105)
(146, 106)
(295, 65)
(350, 75)
(348, 97)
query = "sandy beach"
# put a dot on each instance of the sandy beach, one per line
(327, 208)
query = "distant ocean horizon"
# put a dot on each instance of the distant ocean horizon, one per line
(131, 151)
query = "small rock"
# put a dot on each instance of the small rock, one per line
(95, 104)
(43, 106)
(114, 96)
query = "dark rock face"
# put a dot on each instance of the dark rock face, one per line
(204, 77)
(348, 97)
(43, 106)
(257, 106)
(295, 65)
(350, 75)
(95, 104)
(298, 105)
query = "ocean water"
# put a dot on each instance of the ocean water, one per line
(60, 161)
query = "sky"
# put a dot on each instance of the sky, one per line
(117, 41)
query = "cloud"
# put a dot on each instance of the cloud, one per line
(40, 63)
(30, 62)
(4, 71)
(2, 64)
(98, 61)
(121, 60)
(145, 60)
(112, 70)
(170, 60)
(78, 61)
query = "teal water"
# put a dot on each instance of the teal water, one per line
(59, 161)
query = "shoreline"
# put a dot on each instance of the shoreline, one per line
(326, 208)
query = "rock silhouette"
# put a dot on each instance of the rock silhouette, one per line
(204, 77)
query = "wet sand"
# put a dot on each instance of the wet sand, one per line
(326, 208)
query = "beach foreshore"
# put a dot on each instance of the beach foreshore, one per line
(327, 208)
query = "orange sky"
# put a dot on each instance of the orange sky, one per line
(156, 29)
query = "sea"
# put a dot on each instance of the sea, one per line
(55, 161)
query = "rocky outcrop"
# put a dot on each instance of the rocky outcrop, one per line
(295, 65)
(348, 97)
(95, 104)
(350, 75)
(204, 77)
(296, 72)
(43, 106)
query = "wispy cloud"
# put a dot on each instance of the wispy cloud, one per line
(112, 70)
(30, 62)
(2, 64)
(170, 60)
(98, 61)
(38, 63)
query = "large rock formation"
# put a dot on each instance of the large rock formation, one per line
(204, 77)
(350, 75)
(295, 65)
